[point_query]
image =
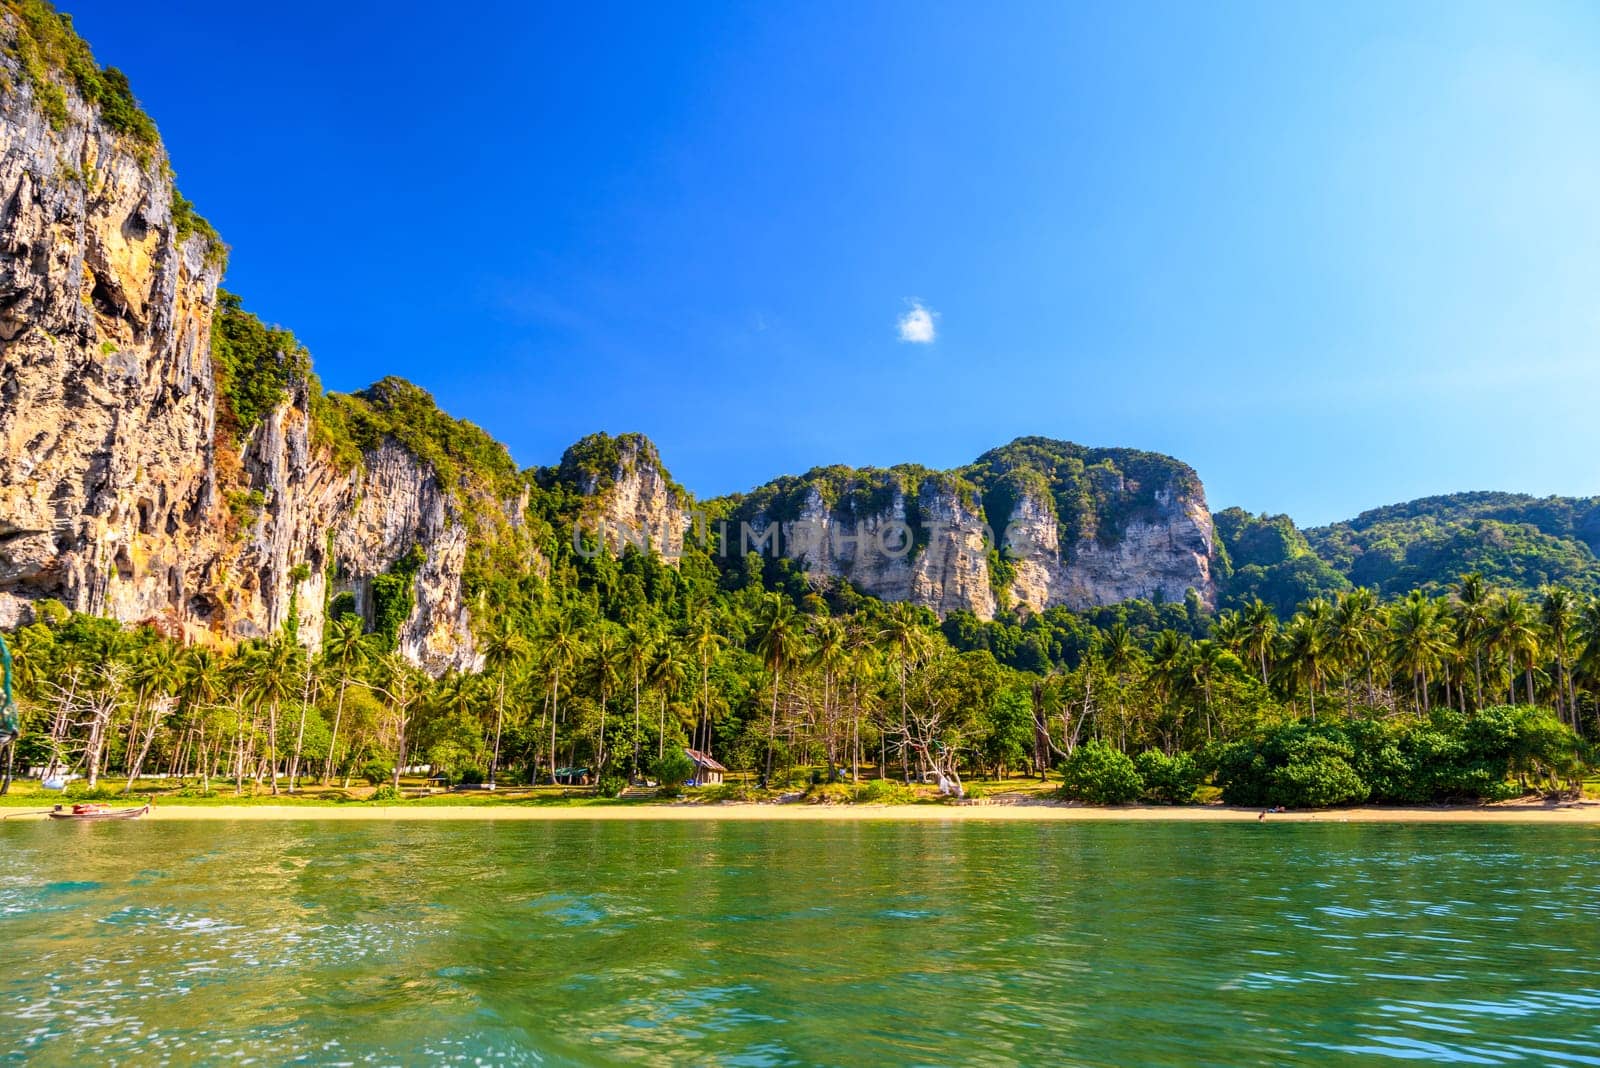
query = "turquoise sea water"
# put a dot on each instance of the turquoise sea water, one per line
(780, 943)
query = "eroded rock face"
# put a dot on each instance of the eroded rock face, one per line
(631, 498)
(1159, 558)
(115, 495)
(1161, 550)
(928, 546)
(106, 393)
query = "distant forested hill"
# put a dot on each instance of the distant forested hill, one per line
(1515, 540)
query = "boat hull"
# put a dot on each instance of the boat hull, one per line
(113, 814)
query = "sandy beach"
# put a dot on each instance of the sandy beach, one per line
(1587, 813)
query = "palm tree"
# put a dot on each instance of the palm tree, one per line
(1587, 667)
(638, 647)
(668, 670)
(157, 675)
(1558, 611)
(310, 684)
(1260, 627)
(1352, 636)
(1472, 623)
(1229, 631)
(345, 648)
(205, 678)
(1304, 655)
(705, 641)
(1205, 664)
(830, 651)
(561, 649)
(1169, 666)
(503, 650)
(605, 656)
(272, 670)
(1122, 656)
(1513, 634)
(779, 644)
(1416, 642)
(907, 643)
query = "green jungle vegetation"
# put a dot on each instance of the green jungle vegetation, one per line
(1448, 649)
(617, 664)
(1514, 540)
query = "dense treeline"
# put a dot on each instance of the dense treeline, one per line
(608, 665)
(1516, 541)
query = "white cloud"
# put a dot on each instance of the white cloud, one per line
(916, 325)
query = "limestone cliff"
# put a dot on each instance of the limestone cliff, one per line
(627, 496)
(1081, 527)
(1034, 525)
(903, 534)
(121, 491)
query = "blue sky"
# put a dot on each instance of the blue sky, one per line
(1333, 256)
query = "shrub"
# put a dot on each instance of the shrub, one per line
(672, 771)
(376, 772)
(728, 791)
(829, 793)
(386, 793)
(255, 364)
(80, 791)
(885, 792)
(1171, 780)
(1447, 756)
(1317, 775)
(1101, 775)
(610, 784)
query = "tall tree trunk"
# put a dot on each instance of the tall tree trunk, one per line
(772, 726)
(555, 707)
(333, 736)
(300, 735)
(272, 741)
(499, 717)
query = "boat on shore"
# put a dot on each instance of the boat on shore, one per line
(98, 811)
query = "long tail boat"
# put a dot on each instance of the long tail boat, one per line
(98, 811)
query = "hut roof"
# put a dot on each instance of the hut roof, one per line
(704, 760)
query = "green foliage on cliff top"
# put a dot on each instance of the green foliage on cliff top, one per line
(187, 222)
(598, 460)
(1096, 493)
(53, 57)
(255, 366)
(473, 468)
(857, 492)
(461, 453)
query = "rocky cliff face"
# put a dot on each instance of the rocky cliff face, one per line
(628, 496)
(106, 391)
(116, 495)
(1157, 558)
(897, 538)
(1036, 525)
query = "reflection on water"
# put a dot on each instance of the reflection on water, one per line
(780, 944)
